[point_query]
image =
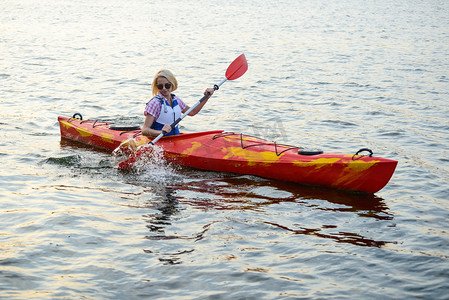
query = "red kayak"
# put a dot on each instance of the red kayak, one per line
(238, 153)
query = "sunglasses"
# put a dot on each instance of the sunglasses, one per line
(161, 86)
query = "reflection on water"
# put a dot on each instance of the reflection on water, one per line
(247, 193)
(166, 206)
(340, 237)
(236, 192)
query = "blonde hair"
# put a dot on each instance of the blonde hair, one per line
(167, 75)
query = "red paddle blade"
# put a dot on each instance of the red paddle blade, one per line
(237, 68)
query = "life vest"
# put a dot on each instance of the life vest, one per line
(168, 115)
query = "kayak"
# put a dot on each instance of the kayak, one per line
(244, 154)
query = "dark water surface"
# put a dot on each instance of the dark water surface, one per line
(338, 76)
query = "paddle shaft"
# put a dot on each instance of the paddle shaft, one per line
(173, 125)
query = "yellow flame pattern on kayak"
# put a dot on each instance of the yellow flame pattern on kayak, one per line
(84, 132)
(191, 150)
(253, 157)
(107, 137)
(350, 173)
(352, 169)
(67, 125)
(318, 163)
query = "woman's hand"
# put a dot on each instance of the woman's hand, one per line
(167, 128)
(148, 131)
(210, 91)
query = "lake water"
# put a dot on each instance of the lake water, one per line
(333, 75)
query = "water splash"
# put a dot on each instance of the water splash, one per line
(151, 167)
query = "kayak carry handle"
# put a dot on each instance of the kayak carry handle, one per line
(362, 150)
(77, 116)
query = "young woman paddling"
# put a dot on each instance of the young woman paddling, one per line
(165, 108)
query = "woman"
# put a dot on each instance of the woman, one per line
(165, 108)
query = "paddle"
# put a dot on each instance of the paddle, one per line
(236, 69)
